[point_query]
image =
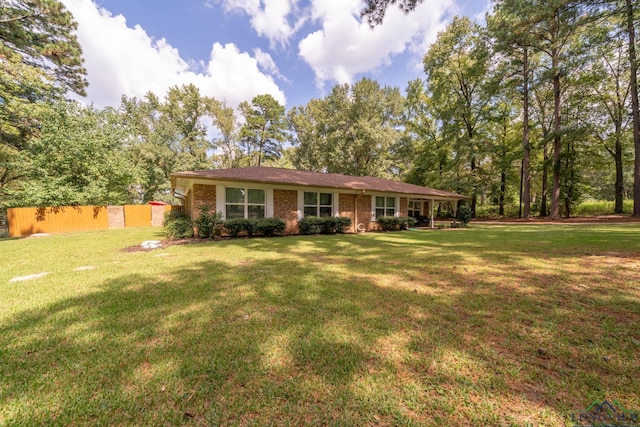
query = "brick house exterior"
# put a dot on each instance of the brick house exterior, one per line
(285, 206)
(257, 192)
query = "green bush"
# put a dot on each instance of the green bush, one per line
(464, 214)
(392, 223)
(270, 226)
(265, 226)
(311, 225)
(323, 225)
(208, 224)
(337, 224)
(407, 222)
(511, 210)
(177, 225)
(236, 226)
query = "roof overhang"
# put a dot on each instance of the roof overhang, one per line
(181, 182)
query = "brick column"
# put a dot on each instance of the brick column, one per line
(285, 207)
(203, 195)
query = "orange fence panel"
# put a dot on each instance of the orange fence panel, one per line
(56, 220)
(69, 219)
(137, 216)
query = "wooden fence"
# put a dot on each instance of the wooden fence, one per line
(68, 219)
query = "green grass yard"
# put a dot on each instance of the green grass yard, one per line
(490, 325)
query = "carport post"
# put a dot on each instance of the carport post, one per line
(431, 219)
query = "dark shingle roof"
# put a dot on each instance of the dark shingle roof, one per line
(315, 179)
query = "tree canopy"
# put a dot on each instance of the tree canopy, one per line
(40, 34)
(264, 130)
(537, 106)
(355, 130)
(40, 59)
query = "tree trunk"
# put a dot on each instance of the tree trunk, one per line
(619, 186)
(557, 140)
(545, 179)
(520, 200)
(569, 187)
(474, 196)
(635, 111)
(503, 187)
(526, 178)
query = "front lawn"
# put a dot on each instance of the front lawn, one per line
(490, 325)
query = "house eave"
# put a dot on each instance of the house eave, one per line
(291, 185)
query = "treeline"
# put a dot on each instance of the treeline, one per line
(85, 155)
(535, 109)
(82, 155)
(546, 94)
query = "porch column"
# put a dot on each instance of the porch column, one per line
(431, 218)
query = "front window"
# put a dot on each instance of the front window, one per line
(385, 206)
(245, 203)
(414, 208)
(318, 204)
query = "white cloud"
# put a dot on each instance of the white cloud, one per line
(346, 46)
(234, 76)
(266, 62)
(269, 18)
(481, 17)
(124, 60)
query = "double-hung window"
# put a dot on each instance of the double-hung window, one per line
(318, 204)
(385, 206)
(244, 203)
(413, 210)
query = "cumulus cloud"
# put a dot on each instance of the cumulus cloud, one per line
(346, 46)
(266, 62)
(123, 60)
(269, 18)
(234, 76)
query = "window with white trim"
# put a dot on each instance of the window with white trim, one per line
(385, 206)
(318, 204)
(413, 210)
(244, 203)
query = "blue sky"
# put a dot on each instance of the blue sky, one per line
(235, 49)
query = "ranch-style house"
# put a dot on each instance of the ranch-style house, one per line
(264, 192)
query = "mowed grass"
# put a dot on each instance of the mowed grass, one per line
(490, 325)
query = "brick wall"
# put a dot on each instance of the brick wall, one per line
(364, 213)
(404, 206)
(157, 216)
(285, 206)
(116, 216)
(203, 195)
(346, 202)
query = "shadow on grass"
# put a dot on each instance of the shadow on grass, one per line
(339, 332)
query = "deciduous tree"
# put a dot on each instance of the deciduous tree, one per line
(457, 67)
(167, 136)
(78, 158)
(355, 130)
